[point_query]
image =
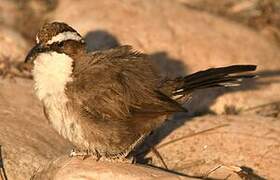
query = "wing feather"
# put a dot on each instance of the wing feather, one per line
(109, 85)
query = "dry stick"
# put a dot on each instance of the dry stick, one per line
(213, 170)
(243, 172)
(155, 151)
(191, 135)
(260, 106)
(3, 172)
(181, 138)
(158, 155)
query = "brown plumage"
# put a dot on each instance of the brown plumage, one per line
(115, 97)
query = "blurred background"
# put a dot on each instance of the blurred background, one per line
(181, 36)
(27, 16)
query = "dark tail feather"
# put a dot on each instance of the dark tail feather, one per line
(215, 77)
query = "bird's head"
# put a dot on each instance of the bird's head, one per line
(56, 37)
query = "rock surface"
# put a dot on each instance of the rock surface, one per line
(194, 147)
(26, 17)
(184, 40)
(74, 168)
(210, 141)
(27, 140)
(6, 17)
(12, 45)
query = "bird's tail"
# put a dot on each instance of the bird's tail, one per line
(214, 77)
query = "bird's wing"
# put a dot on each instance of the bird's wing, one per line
(118, 84)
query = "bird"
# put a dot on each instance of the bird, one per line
(108, 101)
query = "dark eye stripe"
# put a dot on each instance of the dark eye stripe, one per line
(56, 45)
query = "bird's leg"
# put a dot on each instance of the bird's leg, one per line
(131, 159)
(119, 159)
(85, 154)
(98, 155)
(88, 153)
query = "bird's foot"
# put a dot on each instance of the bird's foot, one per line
(130, 159)
(121, 160)
(84, 154)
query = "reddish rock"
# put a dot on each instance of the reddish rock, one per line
(245, 140)
(27, 140)
(74, 169)
(12, 45)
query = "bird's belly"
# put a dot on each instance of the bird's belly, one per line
(87, 135)
(64, 120)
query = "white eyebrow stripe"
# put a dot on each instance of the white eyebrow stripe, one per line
(65, 36)
(37, 39)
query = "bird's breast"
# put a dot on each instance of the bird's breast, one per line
(52, 71)
(64, 119)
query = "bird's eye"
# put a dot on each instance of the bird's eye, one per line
(60, 44)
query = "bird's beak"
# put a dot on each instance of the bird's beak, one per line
(33, 53)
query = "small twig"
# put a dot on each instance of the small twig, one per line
(183, 174)
(191, 135)
(181, 138)
(155, 151)
(3, 172)
(242, 171)
(213, 170)
(261, 106)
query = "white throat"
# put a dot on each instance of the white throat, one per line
(51, 73)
